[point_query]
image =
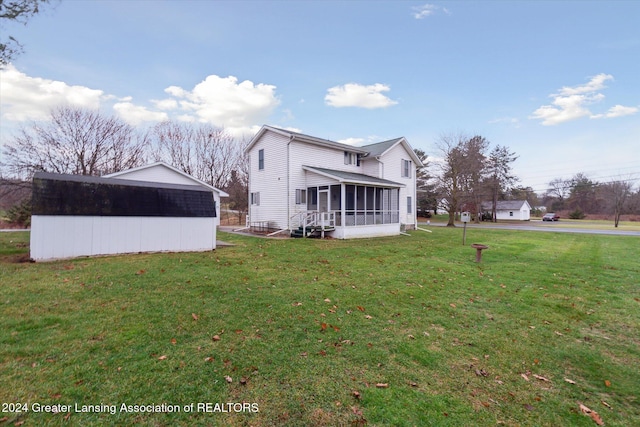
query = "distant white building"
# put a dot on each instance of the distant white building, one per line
(517, 210)
(300, 182)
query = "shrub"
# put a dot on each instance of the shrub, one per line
(577, 214)
(20, 214)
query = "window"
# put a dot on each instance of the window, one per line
(301, 196)
(351, 158)
(312, 200)
(510, 213)
(261, 159)
(255, 198)
(406, 168)
(409, 207)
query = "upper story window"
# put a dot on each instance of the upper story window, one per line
(261, 159)
(351, 158)
(406, 168)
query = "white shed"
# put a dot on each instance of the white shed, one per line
(82, 215)
(517, 210)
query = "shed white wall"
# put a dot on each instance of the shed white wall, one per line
(68, 236)
(518, 215)
(158, 173)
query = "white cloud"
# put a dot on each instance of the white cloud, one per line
(617, 111)
(352, 141)
(421, 12)
(570, 103)
(595, 84)
(356, 95)
(222, 101)
(25, 98)
(165, 104)
(239, 107)
(135, 114)
(508, 120)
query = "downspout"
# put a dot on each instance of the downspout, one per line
(291, 137)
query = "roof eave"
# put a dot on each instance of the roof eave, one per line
(350, 181)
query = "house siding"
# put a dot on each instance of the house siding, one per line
(302, 154)
(283, 174)
(270, 182)
(392, 166)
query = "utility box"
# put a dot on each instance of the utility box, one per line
(465, 217)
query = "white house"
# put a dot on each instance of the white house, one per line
(76, 215)
(302, 182)
(518, 210)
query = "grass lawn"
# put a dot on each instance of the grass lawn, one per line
(403, 331)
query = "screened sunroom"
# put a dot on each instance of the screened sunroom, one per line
(355, 205)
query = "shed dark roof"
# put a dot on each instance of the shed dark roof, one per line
(61, 194)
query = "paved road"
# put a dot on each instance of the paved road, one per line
(542, 226)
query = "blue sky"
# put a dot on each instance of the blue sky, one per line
(558, 82)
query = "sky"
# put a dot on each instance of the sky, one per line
(558, 82)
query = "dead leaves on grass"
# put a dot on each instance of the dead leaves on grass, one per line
(591, 413)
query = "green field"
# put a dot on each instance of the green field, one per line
(402, 331)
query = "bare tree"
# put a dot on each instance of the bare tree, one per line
(205, 152)
(450, 179)
(559, 190)
(75, 141)
(617, 195)
(474, 165)
(238, 188)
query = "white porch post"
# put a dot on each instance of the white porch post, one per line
(343, 200)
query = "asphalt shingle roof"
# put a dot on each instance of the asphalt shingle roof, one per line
(351, 177)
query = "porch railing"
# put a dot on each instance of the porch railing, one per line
(313, 219)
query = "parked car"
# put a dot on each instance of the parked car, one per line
(550, 217)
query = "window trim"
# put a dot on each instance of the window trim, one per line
(406, 168)
(301, 196)
(261, 159)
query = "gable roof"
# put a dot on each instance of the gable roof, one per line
(303, 138)
(370, 150)
(380, 148)
(506, 205)
(196, 181)
(351, 177)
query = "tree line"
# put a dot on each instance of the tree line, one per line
(86, 142)
(580, 195)
(471, 174)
